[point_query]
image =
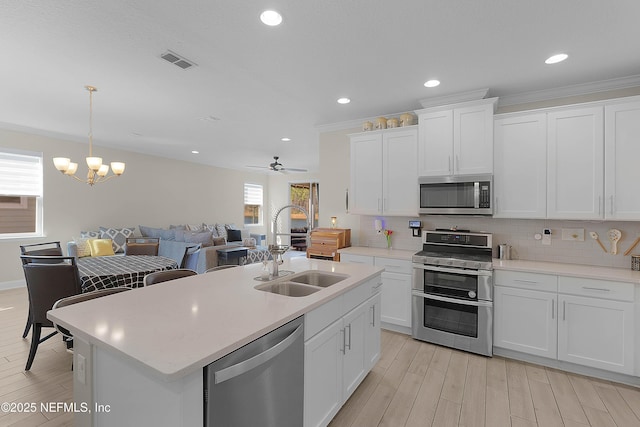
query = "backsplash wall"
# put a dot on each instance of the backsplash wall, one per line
(519, 233)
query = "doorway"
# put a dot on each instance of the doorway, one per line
(306, 195)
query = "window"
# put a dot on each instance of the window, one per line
(253, 204)
(20, 194)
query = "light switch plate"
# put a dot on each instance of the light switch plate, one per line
(575, 234)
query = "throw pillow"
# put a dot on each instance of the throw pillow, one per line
(90, 234)
(195, 227)
(179, 227)
(205, 239)
(212, 228)
(160, 233)
(234, 235)
(82, 246)
(118, 236)
(219, 241)
(222, 230)
(249, 242)
(101, 247)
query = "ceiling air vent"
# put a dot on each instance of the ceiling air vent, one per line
(177, 60)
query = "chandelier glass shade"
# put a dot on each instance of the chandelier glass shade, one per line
(97, 170)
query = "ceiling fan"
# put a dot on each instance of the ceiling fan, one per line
(276, 166)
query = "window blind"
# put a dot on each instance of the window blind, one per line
(253, 194)
(20, 174)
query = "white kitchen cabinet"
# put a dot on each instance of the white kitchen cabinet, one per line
(339, 354)
(396, 291)
(520, 166)
(384, 172)
(622, 151)
(575, 163)
(457, 140)
(525, 321)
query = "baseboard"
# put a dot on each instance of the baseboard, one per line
(395, 328)
(12, 284)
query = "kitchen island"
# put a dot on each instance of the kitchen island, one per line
(139, 355)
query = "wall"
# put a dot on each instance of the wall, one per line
(153, 191)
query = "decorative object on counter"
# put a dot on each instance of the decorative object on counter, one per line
(635, 262)
(387, 234)
(504, 251)
(614, 238)
(595, 237)
(366, 126)
(406, 119)
(380, 123)
(392, 123)
(633, 245)
(334, 222)
(325, 243)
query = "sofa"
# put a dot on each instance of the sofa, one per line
(175, 240)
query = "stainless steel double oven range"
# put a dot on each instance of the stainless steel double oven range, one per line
(453, 291)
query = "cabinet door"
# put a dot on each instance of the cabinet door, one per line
(575, 180)
(520, 167)
(525, 321)
(396, 299)
(323, 356)
(354, 363)
(400, 173)
(435, 143)
(366, 174)
(473, 140)
(596, 332)
(622, 151)
(372, 340)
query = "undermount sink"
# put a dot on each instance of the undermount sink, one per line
(290, 289)
(319, 278)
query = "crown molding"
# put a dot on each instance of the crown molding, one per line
(455, 98)
(357, 123)
(567, 91)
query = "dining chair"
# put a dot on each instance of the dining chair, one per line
(190, 258)
(47, 248)
(166, 275)
(74, 299)
(49, 278)
(142, 246)
(221, 267)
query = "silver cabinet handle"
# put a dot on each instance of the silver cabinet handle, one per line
(257, 360)
(348, 345)
(373, 315)
(588, 288)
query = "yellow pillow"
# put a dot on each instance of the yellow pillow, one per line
(101, 247)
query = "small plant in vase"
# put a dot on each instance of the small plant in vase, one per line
(387, 234)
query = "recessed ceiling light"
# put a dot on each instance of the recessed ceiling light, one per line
(271, 18)
(556, 58)
(344, 101)
(432, 83)
(285, 139)
(195, 152)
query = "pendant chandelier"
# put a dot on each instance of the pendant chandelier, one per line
(97, 171)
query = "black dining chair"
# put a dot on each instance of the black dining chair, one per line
(166, 275)
(142, 246)
(190, 258)
(45, 249)
(49, 278)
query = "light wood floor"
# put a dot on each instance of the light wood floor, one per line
(413, 384)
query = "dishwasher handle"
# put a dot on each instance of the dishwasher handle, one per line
(245, 366)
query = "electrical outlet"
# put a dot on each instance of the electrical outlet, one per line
(575, 234)
(546, 236)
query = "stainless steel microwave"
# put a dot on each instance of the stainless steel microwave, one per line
(456, 195)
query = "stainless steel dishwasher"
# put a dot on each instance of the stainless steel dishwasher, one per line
(260, 384)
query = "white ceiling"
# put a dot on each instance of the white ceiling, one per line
(264, 83)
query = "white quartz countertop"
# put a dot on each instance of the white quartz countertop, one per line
(174, 328)
(378, 252)
(576, 270)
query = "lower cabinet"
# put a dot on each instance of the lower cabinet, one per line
(338, 358)
(587, 322)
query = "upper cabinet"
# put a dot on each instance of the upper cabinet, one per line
(457, 140)
(384, 176)
(622, 151)
(575, 163)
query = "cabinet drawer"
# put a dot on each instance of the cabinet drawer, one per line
(604, 289)
(392, 265)
(322, 250)
(325, 241)
(356, 259)
(517, 279)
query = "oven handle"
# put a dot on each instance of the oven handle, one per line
(453, 270)
(452, 300)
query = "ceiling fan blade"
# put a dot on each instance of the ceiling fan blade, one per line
(259, 167)
(294, 170)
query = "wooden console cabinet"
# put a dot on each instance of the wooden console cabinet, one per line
(325, 242)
